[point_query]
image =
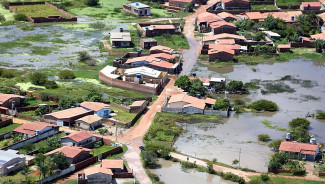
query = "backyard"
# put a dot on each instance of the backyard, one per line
(123, 115)
(9, 128)
(38, 10)
(290, 2)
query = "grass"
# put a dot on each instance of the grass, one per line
(263, 7)
(123, 116)
(280, 180)
(116, 156)
(73, 181)
(17, 177)
(267, 123)
(9, 128)
(38, 10)
(35, 102)
(173, 41)
(290, 2)
(102, 149)
(87, 74)
(6, 46)
(8, 15)
(43, 51)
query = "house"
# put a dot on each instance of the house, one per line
(283, 48)
(214, 38)
(67, 117)
(10, 100)
(142, 79)
(90, 122)
(31, 129)
(100, 109)
(138, 9)
(209, 103)
(158, 30)
(255, 16)
(117, 166)
(223, 27)
(221, 53)
(319, 36)
(226, 42)
(95, 175)
(138, 106)
(10, 162)
(180, 3)
(161, 49)
(147, 43)
(286, 16)
(227, 16)
(235, 4)
(214, 81)
(120, 39)
(205, 19)
(78, 139)
(188, 104)
(272, 35)
(73, 154)
(310, 5)
(305, 150)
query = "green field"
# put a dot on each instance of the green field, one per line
(102, 149)
(38, 10)
(123, 116)
(263, 7)
(9, 128)
(280, 180)
(290, 2)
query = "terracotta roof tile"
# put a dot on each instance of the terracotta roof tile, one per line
(191, 101)
(162, 48)
(311, 4)
(138, 103)
(320, 36)
(68, 113)
(225, 15)
(207, 17)
(31, 127)
(90, 119)
(284, 46)
(6, 97)
(210, 101)
(95, 106)
(221, 24)
(69, 151)
(96, 169)
(286, 16)
(164, 26)
(226, 42)
(112, 164)
(79, 136)
(255, 16)
(298, 147)
(223, 36)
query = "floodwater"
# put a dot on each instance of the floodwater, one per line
(236, 137)
(171, 173)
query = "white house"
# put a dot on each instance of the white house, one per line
(10, 162)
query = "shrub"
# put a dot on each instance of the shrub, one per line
(221, 104)
(235, 86)
(38, 78)
(150, 159)
(43, 109)
(6, 73)
(264, 177)
(66, 103)
(2, 18)
(117, 10)
(275, 144)
(277, 160)
(183, 82)
(263, 137)
(299, 122)
(51, 84)
(84, 56)
(44, 96)
(238, 101)
(92, 2)
(320, 115)
(21, 17)
(66, 74)
(6, 90)
(264, 105)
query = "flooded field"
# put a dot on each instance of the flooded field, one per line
(296, 86)
(171, 172)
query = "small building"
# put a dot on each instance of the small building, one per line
(159, 29)
(100, 109)
(205, 19)
(137, 8)
(227, 16)
(67, 117)
(235, 4)
(161, 49)
(147, 43)
(221, 53)
(272, 35)
(138, 106)
(180, 3)
(304, 150)
(78, 139)
(223, 27)
(117, 166)
(34, 128)
(90, 122)
(95, 175)
(283, 48)
(7, 100)
(310, 5)
(10, 162)
(120, 39)
(214, 81)
(214, 38)
(188, 104)
(209, 103)
(73, 154)
(255, 16)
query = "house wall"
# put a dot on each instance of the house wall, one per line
(87, 126)
(69, 142)
(192, 110)
(136, 11)
(120, 43)
(224, 29)
(177, 104)
(178, 3)
(71, 120)
(81, 157)
(8, 103)
(310, 8)
(15, 165)
(99, 178)
(284, 50)
(147, 45)
(222, 56)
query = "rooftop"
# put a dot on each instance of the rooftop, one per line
(225, 15)
(113, 164)
(120, 36)
(223, 36)
(161, 26)
(221, 24)
(298, 147)
(284, 46)
(31, 127)
(311, 4)
(138, 103)
(207, 17)
(95, 106)
(255, 16)
(161, 48)
(226, 42)
(109, 72)
(320, 36)
(144, 71)
(8, 155)
(148, 39)
(6, 97)
(139, 5)
(68, 113)
(287, 16)
(96, 169)
(189, 100)
(69, 151)
(79, 136)
(272, 33)
(90, 119)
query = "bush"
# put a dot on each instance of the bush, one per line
(320, 115)
(38, 78)
(263, 137)
(92, 2)
(277, 160)
(150, 159)
(66, 103)
(21, 17)
(221, 104)
(84, 56)
(299, 122)
(235, 86)
(6, 73)
(6, 90)
(238, 101)
(43, 109)
(275, 144)
(265, 105)
(51, 84)
(264, 177)
(2, 18)
(233, 177)
(66, 74)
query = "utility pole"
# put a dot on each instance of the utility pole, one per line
(116, 131)
(239, 158)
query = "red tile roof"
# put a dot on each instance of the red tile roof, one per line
(79, 136)
(183, 1)
(311, 4)
(138, 103)
(155, 59)
(221, 24)
(166, 26)
(297, 147)
(90, 119)
(255, 16)
(96, 169)
(227, 1)
(113, 164)
(225, 15)
(31, 127)
(223, 36)
(191, 101)
(226, 42)
(207, 17)
(210, 101)
(95, 106)
(162, 48)
(213, 48)
(68, 113)
(286, 16)
(70, 151)
(284, 46)
(6, 97)
(320, 36)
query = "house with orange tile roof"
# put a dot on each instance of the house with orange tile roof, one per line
(95, 174)
(310, 5)
(181, 3)
(227, 16)
(158, 29)
(161, 49)
(255, 16)
(283, 48)
(286, 16)
(73, 154)
(214, 38)
(7, 100)
(31, 129)
(188, 104)
(304, 150)
(81, 138)
(67, 117)
(90, 122)
(117, 166)
(221, 53)
(319, 36)
(235, 4)
(204, 19)
(100, 109)
(223, 26)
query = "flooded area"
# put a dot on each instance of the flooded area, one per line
(171, 173)
(296, 86)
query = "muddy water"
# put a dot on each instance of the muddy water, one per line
(171, 173)
(238, 134)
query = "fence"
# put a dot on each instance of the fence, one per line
(58, 174)
(33, 139)
(5, 121)
(320, 173)
(22, 109)
(279, 170)
(262, 2)
(5, 135)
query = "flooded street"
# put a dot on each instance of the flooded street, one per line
(302, 91)
(171, 173)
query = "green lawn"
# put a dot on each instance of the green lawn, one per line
(71, 182)
(102, 149)
(9, 128)
(17, 177)
(35, 102)
(38, 10)
(280, 180)
(8, 15)
(290, 2)
(173, 41)
(263, 7)
(122, 115)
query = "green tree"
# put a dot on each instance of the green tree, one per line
(38, 78)
(150, 159)
(319, 45)
(197, 87)
(2, 18)
(210, 168)
(245, 24)
(265, 105)
(235, 86)
(299, 122)
(183, 82)
(102, 131)
(277, 160)
(43, 109)
(29, 147)
(92, 2)
(25, 171)
(94, 96)
(66, 74)
(41, 165)
(259, 36)
(66, 103)
(51, 84)
(275, 145)
(221, 104)
(21, 17)
(235, 162)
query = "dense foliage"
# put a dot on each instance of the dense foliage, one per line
(263, 105)
(263, 137)
(222, 104)
(299, 122)
(21, 17)
(183, 82)
(66, 74)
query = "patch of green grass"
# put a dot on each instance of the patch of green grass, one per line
(263, 7)
(281, 180)
(6, 46)
(17, 177)
(35, 38)
(102, 149)
(173, 41)
(123, 116)
(116, 156)
(73, 181)
(87, 74)
(9, 128)
(35, 102)
(38, 10)
(290, 2)
(43, 51)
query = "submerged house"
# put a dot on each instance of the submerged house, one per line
(304, 150)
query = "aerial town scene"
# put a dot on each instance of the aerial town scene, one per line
(162, 91)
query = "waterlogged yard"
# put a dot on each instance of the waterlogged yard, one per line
(296, 86)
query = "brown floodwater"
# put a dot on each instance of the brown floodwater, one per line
(172, 173)
(303, 92)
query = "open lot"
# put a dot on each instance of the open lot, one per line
(38, 10)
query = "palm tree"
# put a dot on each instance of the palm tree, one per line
(25, 171)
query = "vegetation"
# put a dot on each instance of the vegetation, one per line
(320, 115)
(150, 159)
(21, 17)
(299, 130)
(275, 145)
(234, 86)
(102, 149)
(263, 105)
(263, 137)
(66, 74)
(37, 10)
(173, 41)
(2, 18)
(221, 104)
(194, 86)
(123, 116)
(299, 122)
(281, 160)
(9, 128)
(183, 82)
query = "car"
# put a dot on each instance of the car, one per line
(141, 148)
